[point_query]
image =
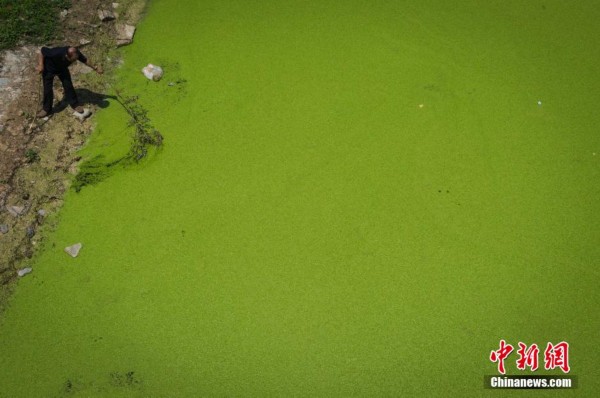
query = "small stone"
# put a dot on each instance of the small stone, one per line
(24, 271)
(3, 229)
(84, 42)
(115, 5)
(63, 14)
(73, 250)
(171, 84)
(42, 212)
(106, 15)
(30, 231)
(15, 211)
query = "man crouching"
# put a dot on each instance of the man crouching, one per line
(55, 62)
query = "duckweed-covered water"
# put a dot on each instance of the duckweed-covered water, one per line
(354, 198)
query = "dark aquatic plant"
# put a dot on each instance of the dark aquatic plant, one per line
(145, 135)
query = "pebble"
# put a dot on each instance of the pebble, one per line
(73, 250)
(106, 15)
(42, 212)
(24, 271)
(15, 211)
(30, 231)
(3, 228)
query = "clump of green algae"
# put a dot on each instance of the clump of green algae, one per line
(145, 135)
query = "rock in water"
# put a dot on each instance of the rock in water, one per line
(73, 250)
(24, 271)
(153, 72)
(124, 34)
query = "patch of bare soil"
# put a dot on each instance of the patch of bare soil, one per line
(39, 157)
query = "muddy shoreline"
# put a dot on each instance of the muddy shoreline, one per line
(38, 158)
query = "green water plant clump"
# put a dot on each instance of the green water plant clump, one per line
(145, 135)
(93, 171)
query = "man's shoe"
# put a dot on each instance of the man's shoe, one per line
(78, 109)
(42, 114)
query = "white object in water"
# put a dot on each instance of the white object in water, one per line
(153, 72)
(73, 250)
(24, 271)
(86, 113)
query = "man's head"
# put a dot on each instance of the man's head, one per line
(72, 54)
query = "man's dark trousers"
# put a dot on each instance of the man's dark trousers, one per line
(67, 83)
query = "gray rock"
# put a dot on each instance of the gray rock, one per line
(73, 250)
(3, 229)
(30, 231)
(15, 211)
(124, 34)
(42, 213)
(63, 14)
(24, 271)
(106, 15)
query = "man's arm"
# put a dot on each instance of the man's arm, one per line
(83, 58)
(97, 68)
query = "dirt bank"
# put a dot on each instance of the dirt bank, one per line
(37, 157)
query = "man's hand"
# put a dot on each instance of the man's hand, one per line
(96, 68)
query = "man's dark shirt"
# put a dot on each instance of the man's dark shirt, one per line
(55, 59)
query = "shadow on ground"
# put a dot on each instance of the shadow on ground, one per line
(86, 97)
